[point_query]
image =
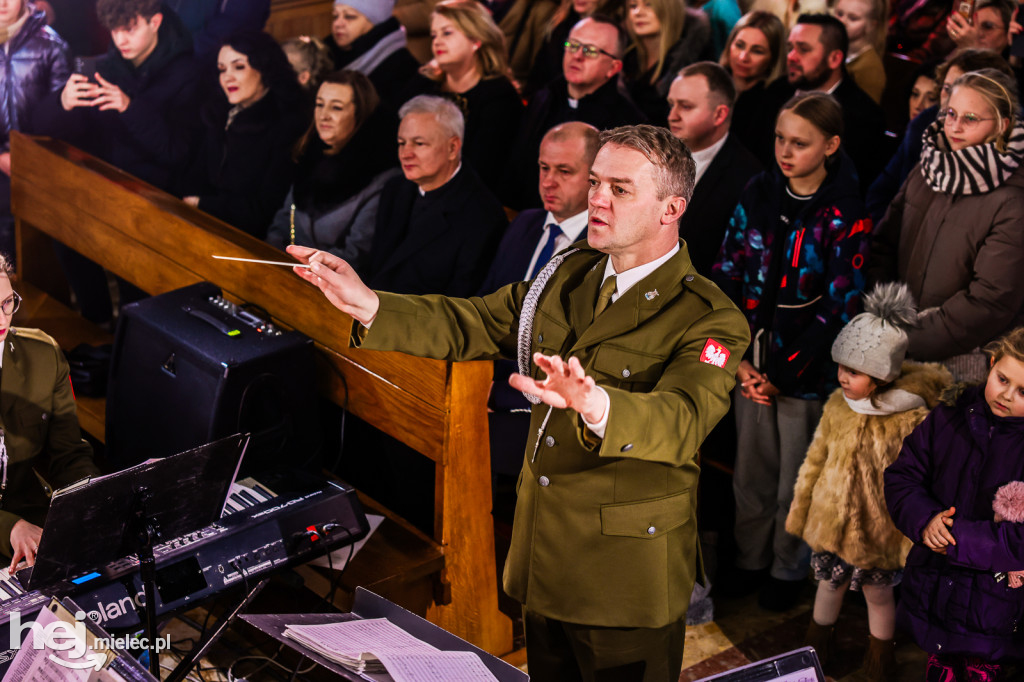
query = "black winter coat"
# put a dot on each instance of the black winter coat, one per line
(392, 76)
(442, 244)
(151, 138)
(34, 65)
(241, 175)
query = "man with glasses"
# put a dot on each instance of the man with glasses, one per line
(586, 91)
(41, 446)
(988, 30)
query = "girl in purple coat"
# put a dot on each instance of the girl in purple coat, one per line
(939, 493)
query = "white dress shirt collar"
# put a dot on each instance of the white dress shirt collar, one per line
(704, 157)
(625, 280)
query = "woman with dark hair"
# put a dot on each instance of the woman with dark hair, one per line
(666, 36)
(344, 160)
(244, 165)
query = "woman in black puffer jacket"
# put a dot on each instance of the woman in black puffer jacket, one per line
(33, 63)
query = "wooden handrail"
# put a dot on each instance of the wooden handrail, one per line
(158, 243)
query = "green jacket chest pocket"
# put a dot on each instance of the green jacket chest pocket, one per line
(646, 519)
(625, 368)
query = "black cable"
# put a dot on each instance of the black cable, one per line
(336, 581)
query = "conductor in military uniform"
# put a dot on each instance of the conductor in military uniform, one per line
(41, 446)
(629, 355)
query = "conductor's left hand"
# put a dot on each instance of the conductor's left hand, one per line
(566, 386)
(339, 282)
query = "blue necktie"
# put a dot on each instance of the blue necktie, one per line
(548, 250)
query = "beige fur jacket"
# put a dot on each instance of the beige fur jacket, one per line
(838, 504)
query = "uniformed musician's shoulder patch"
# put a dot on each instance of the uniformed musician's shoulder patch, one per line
(715, 353)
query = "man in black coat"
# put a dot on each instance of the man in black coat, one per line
(438, 227)
(587, 91)
(701, 100)
(818, 45)
(536, 234)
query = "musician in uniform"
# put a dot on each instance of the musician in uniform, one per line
(639, 353)
(41, 447)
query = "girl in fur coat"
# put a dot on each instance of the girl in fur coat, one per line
(838, 505)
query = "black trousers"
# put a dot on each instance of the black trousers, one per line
(557, 651)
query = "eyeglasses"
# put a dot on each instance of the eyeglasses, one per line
(967, 120)
(11, 304)
(589, 51)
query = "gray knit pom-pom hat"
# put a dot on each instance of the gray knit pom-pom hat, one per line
(875, 342)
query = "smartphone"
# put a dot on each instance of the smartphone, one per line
(965, 8)
(86, 66)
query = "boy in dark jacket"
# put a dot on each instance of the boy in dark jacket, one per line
(133, 111)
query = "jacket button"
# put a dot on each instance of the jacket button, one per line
(626, 448)
(540, 338)
(550, 441)
(544, 482)
(625, 374)
(45, 416)
(689, 278)
(652, 530)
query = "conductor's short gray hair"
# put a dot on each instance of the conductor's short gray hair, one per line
(444, 111)
(675, 170)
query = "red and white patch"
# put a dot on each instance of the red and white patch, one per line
(715, 353)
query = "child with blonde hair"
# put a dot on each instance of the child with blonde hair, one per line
(940, 493)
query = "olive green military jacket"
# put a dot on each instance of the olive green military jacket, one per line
(605, 531)
(37, 414)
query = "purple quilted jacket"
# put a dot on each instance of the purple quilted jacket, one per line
(958, 457)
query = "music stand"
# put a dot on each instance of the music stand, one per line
(129, 511)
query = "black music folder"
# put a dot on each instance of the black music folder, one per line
(800, 665)
(91, 524)
(369, 605)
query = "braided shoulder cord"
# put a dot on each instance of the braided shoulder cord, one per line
(528, 313)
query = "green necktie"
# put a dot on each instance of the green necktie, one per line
(604, 297)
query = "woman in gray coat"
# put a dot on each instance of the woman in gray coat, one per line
(344, 160)
(953, 233)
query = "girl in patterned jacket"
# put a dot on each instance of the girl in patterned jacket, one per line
(792, 260)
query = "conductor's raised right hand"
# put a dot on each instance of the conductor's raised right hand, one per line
(339, 282)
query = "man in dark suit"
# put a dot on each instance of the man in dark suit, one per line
(818, 46)
(437, 227)
(533, 237)
(587, 91)
(701, 100)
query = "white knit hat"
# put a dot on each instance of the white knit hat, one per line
(874, 342)
(375, 11)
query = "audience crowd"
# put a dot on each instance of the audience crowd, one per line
(837, 146)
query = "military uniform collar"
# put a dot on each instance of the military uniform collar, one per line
(634, 306)
(625, 280)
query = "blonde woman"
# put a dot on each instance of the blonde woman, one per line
(470, 66)
(754, 56)
(666, 36)
(865, 26)
(959, 214)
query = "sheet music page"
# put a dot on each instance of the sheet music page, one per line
(36, 665)
(355, 637)
(450, 666)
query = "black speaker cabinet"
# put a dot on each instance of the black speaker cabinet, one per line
(190, 367)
